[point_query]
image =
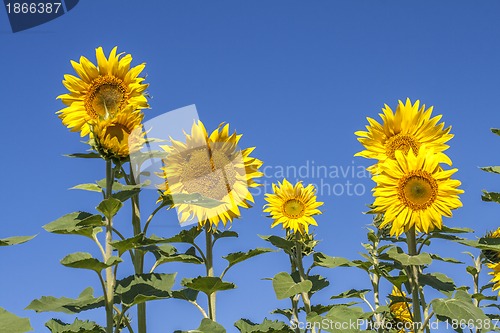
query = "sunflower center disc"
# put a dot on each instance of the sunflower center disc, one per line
(106, 96)
(418, 190)
(293, 208)
(401, 142)
(211, 177)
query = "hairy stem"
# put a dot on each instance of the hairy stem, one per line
(110, 278)
(414, 271)
(210, 270)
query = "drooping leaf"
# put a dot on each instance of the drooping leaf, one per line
(185, 236)
(224, 234)
(78, 326)
(323, 260)
(206, 284)
(85, 260)
(92, 187)
(353, 293)
(109, 207)
(77, 223)
(137, 241)
(15, 240)
(279, 242)
(407, 260)
(267, 326)
(438, 281)
(140, 288)
(237, 257)
(85, 301)
(448, 260)
(11, 323)
(167, 253)
(186, 294)
(126, 194)
(206, 326)
(284, 286)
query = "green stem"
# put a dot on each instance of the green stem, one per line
(138, 259)
(414, 271)
(110, 278)
(210, 271)
(303, 276)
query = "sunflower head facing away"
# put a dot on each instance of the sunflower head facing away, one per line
(400, 311)
(214, 167)
(120, 136)
(101, 91)
(410, 128)
(492, 255)
(414, 191)
(293, 206)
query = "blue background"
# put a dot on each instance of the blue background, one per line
(296, 78)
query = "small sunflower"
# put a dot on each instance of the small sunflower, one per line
(409, 128)
(494, 261)
(414, 191)
(119, 136)
(101, 91)
(214, 167)
(293, 206)
(400, 311)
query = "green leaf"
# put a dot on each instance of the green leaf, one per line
(406, 260)
(207, 284)
(85, 260)
(495, 131)
(460, 307)
(237, 257)
(92, 187)
(125, 195)
(285, 287)
(267, 326)
(167, 253)
(438, 281)
(491, 197)
(195, 199)
(109, 207)
(206, 326)
(140, 288)
(323, 260)
(85, 301)
(448, 260)
(11, 323)
(138, 241)
(492, 169)
(84, 155)
(279, 242)
(15, 240)
(78, 326)
(353, 293)
(185, 236)
(77, 223)
(339, 319)
(224, 234)
(284, 312)
(492, 244)
(186, 294)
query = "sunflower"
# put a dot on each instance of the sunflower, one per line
(214, 167)
(119, 136)
(400, 311)
(293, 206)
(494, 261)
(101, 91)
(495, 267)
(414, 191)
(409, 128)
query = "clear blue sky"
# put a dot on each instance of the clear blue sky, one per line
(296, 78)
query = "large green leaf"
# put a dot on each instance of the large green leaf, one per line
(11, 323)
(78, 326)
(76, 223)
(15, 240)
(438, 281)
(125, 195)
(109, 207)
(85, 301)
(460, 307)
(340, 318)
(167, 253)
(140, 288)
(85, 260)
(237, 257)
(185, 236)
(224, 234)
(285, 287)
(207, 284)
(186, 294)
(267, 326)
(407, 260)
(279, 242)
(137, 241)
(323, 260)
(206, 326)
(492, 244)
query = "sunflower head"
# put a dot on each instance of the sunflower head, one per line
(293, 206)
(410, 128)
(101, 91)
(492, 255)
(414, 191)
(120, 136)
(495, 272)
(400, 310)
(214, 167)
